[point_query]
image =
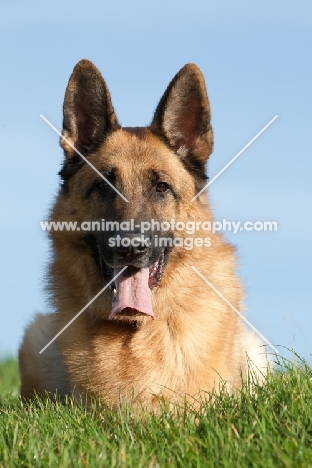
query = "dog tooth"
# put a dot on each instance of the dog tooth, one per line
(114, 298)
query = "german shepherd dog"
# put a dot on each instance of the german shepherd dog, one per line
(158, 331)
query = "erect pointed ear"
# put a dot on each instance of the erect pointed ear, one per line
(88, 112)
(183, 117)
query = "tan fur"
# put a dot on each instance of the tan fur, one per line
(45, 373)
(197, 340)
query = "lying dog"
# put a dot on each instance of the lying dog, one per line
(158, 330)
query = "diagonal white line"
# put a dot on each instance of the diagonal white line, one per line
(234, 308)
(83, 157)
(235, 157)
(82, 310)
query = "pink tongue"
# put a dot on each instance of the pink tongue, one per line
(133, 293)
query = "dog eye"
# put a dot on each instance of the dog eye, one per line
(162, 187)
(102, 186)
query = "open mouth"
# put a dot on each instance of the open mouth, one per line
(132, 295)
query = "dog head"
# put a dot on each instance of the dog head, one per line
(119, 181)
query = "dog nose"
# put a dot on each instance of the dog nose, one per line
(131, 244)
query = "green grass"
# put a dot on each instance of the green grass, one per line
(270, 428)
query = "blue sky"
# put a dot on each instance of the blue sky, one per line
(256, 59)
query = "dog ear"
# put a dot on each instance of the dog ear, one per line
(182, 117)
(88, 112)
